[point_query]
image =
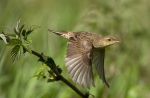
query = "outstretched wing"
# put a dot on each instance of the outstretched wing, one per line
(98, 60)
(78, 61)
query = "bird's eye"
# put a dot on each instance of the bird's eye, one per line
(109, 39)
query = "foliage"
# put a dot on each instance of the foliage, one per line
(20, 42)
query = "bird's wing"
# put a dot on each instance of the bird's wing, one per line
(98, 60)
(65, 34)
(78, 62)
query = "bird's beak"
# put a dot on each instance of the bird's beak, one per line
(118, 41)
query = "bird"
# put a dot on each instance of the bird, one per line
(84, 50)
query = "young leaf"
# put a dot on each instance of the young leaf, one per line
(15, 53)
(26, 47)
(59, 70)
(21, 28)
(24, 33)
(50, 62)
(41, 72)
(14, 42)
(39, 75)
(51, 80)
(29, 30)
(17, 28)
(4, 38)
(29, 40)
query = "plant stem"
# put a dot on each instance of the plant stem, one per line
(36, 54)
(72, 86)
(60, 77)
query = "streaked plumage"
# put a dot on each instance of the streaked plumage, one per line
(83, 49)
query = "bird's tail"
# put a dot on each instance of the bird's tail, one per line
(64, 34)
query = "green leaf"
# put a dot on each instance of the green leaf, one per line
(16, 53)
(51, 80)
(41, 72)
(29, 30)
(24, 50)
(41, 68)
(26, 47)
(59, 70)
(21, 28)
(48, 61)
(29, 40)
(39, 75)
(14, 42)
(24, 33)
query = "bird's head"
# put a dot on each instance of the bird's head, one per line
(105, 41)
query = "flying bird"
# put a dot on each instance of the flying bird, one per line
(83, 50)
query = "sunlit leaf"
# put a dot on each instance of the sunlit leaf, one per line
(17, 28)
(4, 38)
(40, 69)
(41, 72)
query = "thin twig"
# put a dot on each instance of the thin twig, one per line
(72, 86)
(60, 77)
(36, 54)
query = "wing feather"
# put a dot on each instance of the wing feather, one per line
(98, 60)
(79, 62)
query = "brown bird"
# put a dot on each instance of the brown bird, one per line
(83, 49)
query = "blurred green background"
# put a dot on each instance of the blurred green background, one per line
(127, 64)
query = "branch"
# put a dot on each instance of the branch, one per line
(37, 54)
(19, 39)
(72, 86)
(60, 77)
